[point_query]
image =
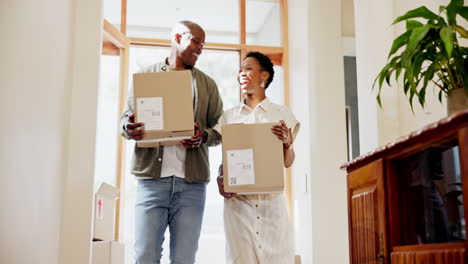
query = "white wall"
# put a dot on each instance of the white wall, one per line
(84, 82)
(374, 37)
(317, 81)
(37, 104)
(299, 98)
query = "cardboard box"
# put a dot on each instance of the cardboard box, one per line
(108, 252)
(252, 159)
(104, 212)
(164, 102)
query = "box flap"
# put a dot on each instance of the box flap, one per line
(108, 191)
(117, 253)
(108, 252)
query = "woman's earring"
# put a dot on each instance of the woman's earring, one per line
(262, 84)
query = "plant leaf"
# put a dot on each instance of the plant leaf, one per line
(463, 12)
(447, 36)
(387, 77)
(452, 9)
(442, 8)
(398, 72)
(382, 76)
(416, 69)
(412, 93)
(379, 101)
(399, 42)
(406, 87)
(463, 32)
(416, 36)
(411, 24)
(422, 96)
(429, 75)
(421, 12)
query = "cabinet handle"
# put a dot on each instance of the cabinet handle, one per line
(381, 255)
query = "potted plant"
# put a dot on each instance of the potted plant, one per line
(430, 54)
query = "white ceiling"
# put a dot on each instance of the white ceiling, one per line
(212, 15)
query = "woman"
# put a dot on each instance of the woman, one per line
(256, 226)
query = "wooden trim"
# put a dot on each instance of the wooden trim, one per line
(123, 17)
(167, 43)
(393, 202)
(108, 48)
(113, 35)
(222, 46)
(124, 61)
(285, 44)
(442, 246)
(242, 22)
(415, 141)
(264, 49)
(150, 42)
(285, 63)
(213, 46)
(463, 156)
(276, 59)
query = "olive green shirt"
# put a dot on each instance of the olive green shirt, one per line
(208, 107)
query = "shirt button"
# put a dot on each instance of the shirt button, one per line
(256, 205)
(159, 159)
(258, 217)
(259, 246)
(257, 233)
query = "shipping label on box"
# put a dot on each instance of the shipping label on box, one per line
(252, 159)
(150, 112)
(164, 103)
(240, 164)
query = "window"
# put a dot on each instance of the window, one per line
(263, 22)
(113, 12)
(155, 18)
(107, 120)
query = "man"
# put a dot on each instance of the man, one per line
(172, 179)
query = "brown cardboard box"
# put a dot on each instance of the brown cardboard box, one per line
(104, 212)
(252, 159)
(164, 102)
(108, 252)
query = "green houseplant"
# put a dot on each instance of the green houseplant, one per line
(429, 53)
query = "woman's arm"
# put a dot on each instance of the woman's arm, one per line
(285, 135)
(289, 156)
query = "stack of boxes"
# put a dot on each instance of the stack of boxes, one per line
(105, 249)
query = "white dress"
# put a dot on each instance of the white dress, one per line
(257, 226)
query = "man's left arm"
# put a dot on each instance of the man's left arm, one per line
(208, 135)
(215, 110)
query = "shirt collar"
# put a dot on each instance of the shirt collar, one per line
(264, 104)
(166, 67)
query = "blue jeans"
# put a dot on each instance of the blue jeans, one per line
(168, 202)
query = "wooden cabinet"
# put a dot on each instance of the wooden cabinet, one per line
(407, 200)
(366, 201)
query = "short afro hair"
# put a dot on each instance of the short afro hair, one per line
(265, 63)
